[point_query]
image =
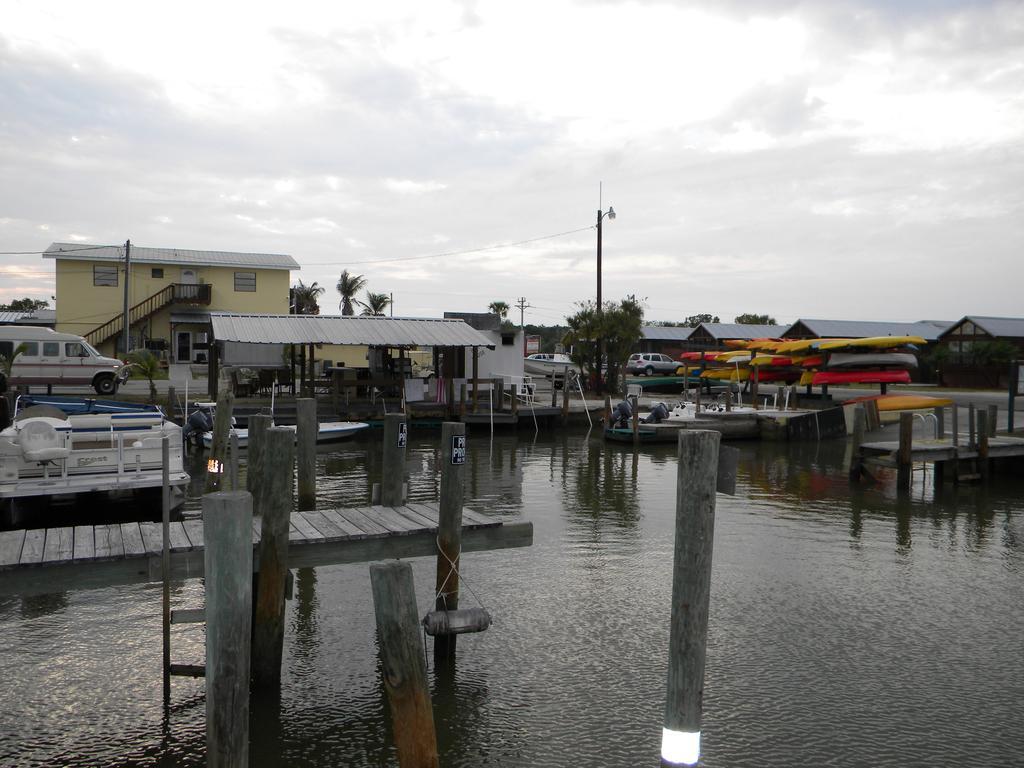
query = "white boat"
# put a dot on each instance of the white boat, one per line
(47, 453)
(328, 432)
(547, 364)
(871, 359)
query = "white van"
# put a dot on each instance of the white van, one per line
(57, 358)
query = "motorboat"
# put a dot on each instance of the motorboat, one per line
(327, 431)
(547, 364)
(47, 452)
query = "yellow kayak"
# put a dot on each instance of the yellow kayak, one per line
(904, 402)
(872, 342)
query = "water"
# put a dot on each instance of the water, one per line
(848, 627)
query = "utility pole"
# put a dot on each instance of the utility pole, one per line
(127, 276)
(522, 328)
(391, 303)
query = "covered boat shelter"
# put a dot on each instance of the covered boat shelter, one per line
(305, 332)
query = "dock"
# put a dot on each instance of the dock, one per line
(93, 556)
(936, 451)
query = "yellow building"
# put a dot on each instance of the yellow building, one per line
(170, 294)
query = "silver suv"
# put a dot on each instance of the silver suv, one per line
(650, 363)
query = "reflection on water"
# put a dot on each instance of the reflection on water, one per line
(849, 626)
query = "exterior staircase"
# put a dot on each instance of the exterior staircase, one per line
(176, 293)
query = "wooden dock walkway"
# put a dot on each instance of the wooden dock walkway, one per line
(931, 451)
(92, 556)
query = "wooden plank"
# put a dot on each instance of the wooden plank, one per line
(109, 541)
(329, 529)
(60, 544)
(10, 547)
(132, 538)
(394, 521)
(421, 521)
(187, 670)
(152, 537)
(309, 532)
(84, 547)
(294, 534)
(356, 517)
(194, 531)
(32, 550)
(178, 538)
(339, 520)
(428, 511)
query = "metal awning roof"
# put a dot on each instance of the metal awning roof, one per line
(666, 332)
(851, 329)
(351, 330)
(182, 256)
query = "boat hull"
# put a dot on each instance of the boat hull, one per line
(329, 432)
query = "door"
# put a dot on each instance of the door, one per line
(189, 276)
(73, 366)
(183, 350)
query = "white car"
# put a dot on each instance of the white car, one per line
(650, 363)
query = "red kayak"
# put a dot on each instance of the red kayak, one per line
(861, 377)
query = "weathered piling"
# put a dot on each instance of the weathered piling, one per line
(221, 426)
(565, 402)
(514, 406)
(691, 595)
(983, 435)
(607, 410)
(392, 493)
(305, 454)
(954, 423)
(277, 490)
(728, 399)
(227, 533)
(634, 401)
(233, 460)
(449, 533)
(463, 396)
(993, 415)
(903, 455)
(858, 438)
(404, 669)
(940, 423)
(499, 397)
(172, 404)
(753, 388)
(972, 434)
(258, 426)
(165, 562)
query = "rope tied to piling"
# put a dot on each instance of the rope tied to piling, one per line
(441, 593)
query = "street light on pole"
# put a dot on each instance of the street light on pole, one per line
(610, 214)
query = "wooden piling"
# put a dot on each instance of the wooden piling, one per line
(499, 397)
(634, 401)
(233, 460)
(691, 594)
(172, 404)
(449, 533)
(753, 388)
(515, 401)
(565, 401)
(463, 397)
(404, 670)
(608, 410)
(858, 438)
(983, 435)
(221, 427)
(955, 424)
(728, 398)
(305, 453)
(277, 490)
(258, 426)
(392, 487)
(972, 435)
(993, 415)
(903, 463)
(940, 423)
(227, 555)
(165, 562)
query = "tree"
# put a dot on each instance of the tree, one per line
(7, 365)
(348, 287)
(749, 318)
(376, 304)
(500, 308)
(145, 364)
(619, 326)
(25, 305)
(304, 298)
(694, 320)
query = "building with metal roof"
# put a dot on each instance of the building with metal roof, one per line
(667, 339)
(855, 329)
(977, 350)
(143, 255)
(712, 335)
(41, 317)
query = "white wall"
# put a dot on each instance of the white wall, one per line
(500, 361)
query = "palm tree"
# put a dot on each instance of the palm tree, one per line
(145, 364)
(375, 304)
(500, 308)
(348, 287)
(304, 298)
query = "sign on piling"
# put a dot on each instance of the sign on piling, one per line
(691, 594)
(227, 533)
(396, 438)
(403, 668)
(277, 490)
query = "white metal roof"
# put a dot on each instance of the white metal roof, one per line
(998, 327)
(170, 256)
(852, 329)
(28, 317)
(666, 332)
(337, 329)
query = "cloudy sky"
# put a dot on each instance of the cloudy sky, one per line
(849, 160)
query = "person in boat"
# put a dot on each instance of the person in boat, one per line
(621, 414)
(658, 412)
(199, 421)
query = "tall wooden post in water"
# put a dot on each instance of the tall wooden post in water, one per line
(306, 429)
(449, 533)
(392, 477)
(903, 455)
(277, 490)
(258, 426)
(218, 448)
(404, 668)
(691, 594)
(227, 556)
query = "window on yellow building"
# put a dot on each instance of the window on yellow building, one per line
(245, 281)
(157, 272)
(104, 274)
